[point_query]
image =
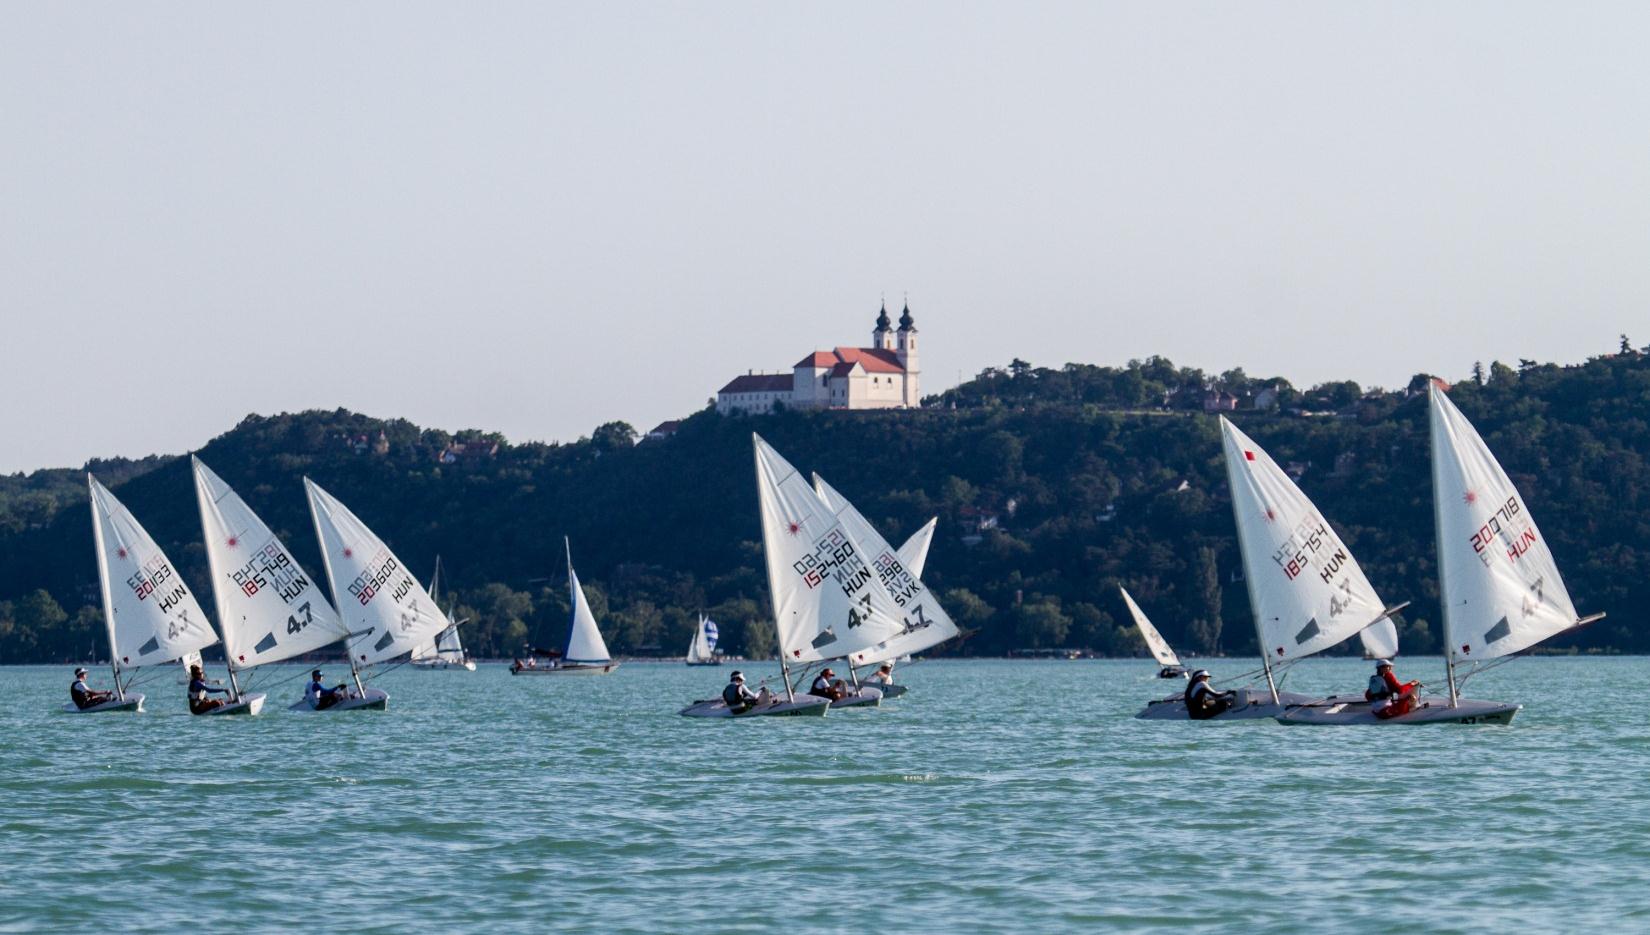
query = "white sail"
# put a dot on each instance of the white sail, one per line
(152, 616)
(914, 553)
(827, 599)
(425, 652)
(268, 608)
(584, 638)
(1154, 640)
(1307, 590)
(1500, 585)
(924, 623)
(378, 599)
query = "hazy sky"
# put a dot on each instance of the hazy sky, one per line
(539, 217)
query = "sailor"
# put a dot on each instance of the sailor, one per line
(1172, 672)
(319, 696)
(82, 695)
(199, 689)
(736, 696)
(1388, 697)
(1202, 701)
(884, 675)
(827, 685)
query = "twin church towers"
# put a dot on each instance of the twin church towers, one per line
(885, 375)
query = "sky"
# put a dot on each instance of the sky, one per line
(535, 218)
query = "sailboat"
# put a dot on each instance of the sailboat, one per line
(1306, 590)
(1159, 647)
(446, 651)
(585, 652)
(384, 609)
(151, 617)
(924, 624)
(269, 609)
(702, 650)
(1500, 586)
(827, 600)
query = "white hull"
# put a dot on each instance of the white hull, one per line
(374, 700)
(1251, 704)
(435, 665)
(713, 662)
(803, 706)
(133, 703)
(889, 691)
(864, 697)
(250, 705)
(576, 669)
(1429, 709)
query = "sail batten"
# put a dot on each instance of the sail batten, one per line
(1501, 589)
(1307, 590)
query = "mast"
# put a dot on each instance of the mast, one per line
(103, 587)
(1438, 544)
(332, 588)
(572, 600)
(201, 497)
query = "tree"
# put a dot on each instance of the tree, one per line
(1478, 372)
(1206, 626)
(1041, 624)
(1626, 345)
(613, 436)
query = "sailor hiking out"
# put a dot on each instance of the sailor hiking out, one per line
(199, 688)
(82, 695)
(737, 697)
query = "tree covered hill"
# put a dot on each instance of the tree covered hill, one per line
(1052, 487)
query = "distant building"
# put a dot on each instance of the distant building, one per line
(1267, 398)
(662, 431)
(1219, 402)
(882, 376)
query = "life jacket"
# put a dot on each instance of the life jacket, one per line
(732, 696)
(197, 690)
(1377, 689)
(78, 691)
(1195, 693)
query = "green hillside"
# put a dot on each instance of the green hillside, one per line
(1052, 487)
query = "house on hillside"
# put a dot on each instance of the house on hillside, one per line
(883, 376)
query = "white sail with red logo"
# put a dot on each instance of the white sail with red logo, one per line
(923, 622)
(1306, 590)
(1500, 585)
(381, 604)
(827, 599)
(269, 608)
(151, 614)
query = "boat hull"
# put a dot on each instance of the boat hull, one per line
(442, 665)
(863, 697)
(1251, 704)
(1429, 709)
(568, 670)
(803, 706)
(890, 691)
(713, 662)
(250, 705)
(376, 699)
(133, 704)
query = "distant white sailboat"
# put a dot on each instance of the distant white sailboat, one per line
(151, 616)
(1159, 647)
(1499, 583)
(446, 651)
(585, 652)
(1305, 588)
(383, 607)
(702, 649)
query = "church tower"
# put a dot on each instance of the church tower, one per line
(906, 348)
(882, 337)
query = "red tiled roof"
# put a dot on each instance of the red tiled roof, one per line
(759, 383)
(842, 369)
(873, 359)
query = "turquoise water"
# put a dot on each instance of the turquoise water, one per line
(995, 797)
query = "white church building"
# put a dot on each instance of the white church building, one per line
(882, 376)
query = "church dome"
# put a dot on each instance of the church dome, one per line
(906, 322)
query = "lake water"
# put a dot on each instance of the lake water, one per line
(995, 797)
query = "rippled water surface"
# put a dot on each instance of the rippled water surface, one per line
(996, 796)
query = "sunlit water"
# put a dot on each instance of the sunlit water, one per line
(996, 796)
